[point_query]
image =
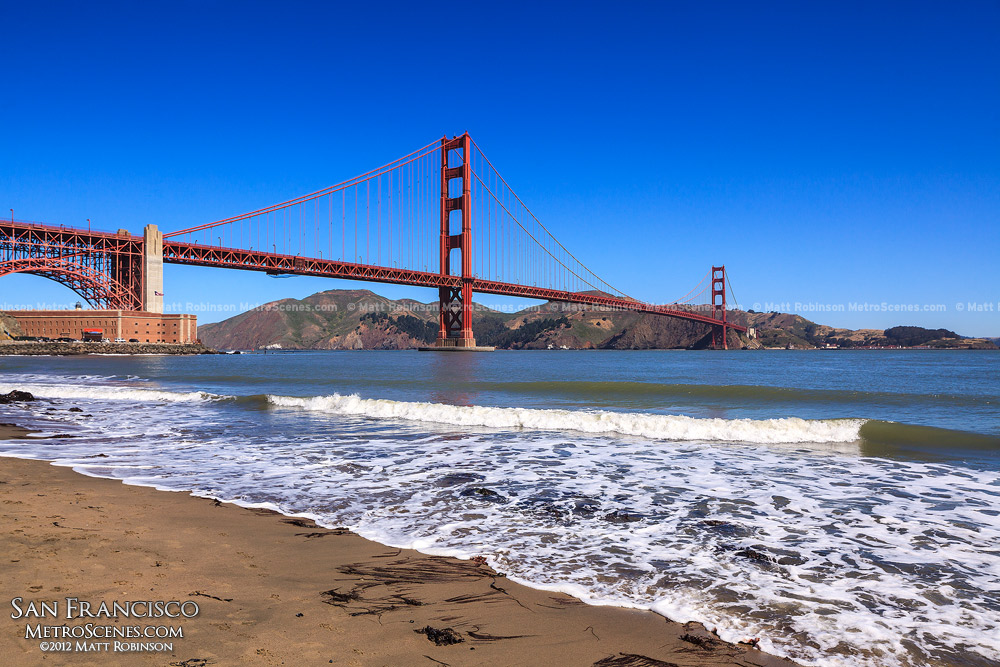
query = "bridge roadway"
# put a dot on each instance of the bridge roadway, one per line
(203, 255)
(22, 240)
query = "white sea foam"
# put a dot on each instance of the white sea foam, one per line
(830, 559)
(105, 392)
(645, 425)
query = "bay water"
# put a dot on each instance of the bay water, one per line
(842, 506)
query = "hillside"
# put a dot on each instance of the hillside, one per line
(361, 319)
(331, 320)
(590, 329)
(784, 330)
(8, 327)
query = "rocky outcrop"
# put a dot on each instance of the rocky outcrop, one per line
(15, 397)
(651, 332)
(9, 327)
(367, 337)
(70, 349)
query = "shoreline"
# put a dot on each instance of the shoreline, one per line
(13, 432)
(274, 589)
(57, 349)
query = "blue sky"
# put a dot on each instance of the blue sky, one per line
(832, 155)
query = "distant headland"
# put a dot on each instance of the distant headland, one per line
(361, 319)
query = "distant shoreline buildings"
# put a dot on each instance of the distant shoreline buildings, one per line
(114, 325)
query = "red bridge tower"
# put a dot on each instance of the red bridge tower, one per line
(455, 331)
(719, 333)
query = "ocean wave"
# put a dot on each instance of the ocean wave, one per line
(729, 392)
(106, 392)
(646, 425)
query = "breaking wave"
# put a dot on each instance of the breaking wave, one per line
(646, 425)
(112, 393)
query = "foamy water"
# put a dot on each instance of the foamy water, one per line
(108, 393)
(770, 528)
(657, 427)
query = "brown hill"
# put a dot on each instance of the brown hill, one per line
(8, 327)
(785, 330)
(331, 320)
(361, 319)
(587, 328)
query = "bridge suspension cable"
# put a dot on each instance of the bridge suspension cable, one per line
(729, 284)
(388, 216)
(511, 231)
(697, 290)
(392, 224)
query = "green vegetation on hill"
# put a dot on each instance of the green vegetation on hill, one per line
(491, 331)
(591, 333)
(787, 330)
(784, 330)
(420, 330)
(909, 336)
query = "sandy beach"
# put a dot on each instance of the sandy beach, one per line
(275, 590)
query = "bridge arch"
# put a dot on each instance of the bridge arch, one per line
(95, 287)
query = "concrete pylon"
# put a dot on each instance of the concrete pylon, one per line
(152, 270)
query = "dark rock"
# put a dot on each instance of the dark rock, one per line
(75, 410)
(586, 508)
(727, 529)
(541, 506)
(456, 478)
(16, 397)
(753, 554)
(442, 637)
(485, 494)
(791, 560)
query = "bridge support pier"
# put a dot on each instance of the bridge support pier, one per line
(152, 269)
(456, 317)
(719, 338)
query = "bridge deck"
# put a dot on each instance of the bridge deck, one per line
(232, 258)
(40, 242)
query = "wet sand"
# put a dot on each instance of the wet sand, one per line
(12, 432)
(275, 590)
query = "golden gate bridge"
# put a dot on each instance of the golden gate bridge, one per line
(441, 216)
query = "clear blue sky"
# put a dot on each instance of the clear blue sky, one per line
(828, 153)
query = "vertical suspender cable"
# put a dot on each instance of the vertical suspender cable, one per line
(368, 219)
(378, 243)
